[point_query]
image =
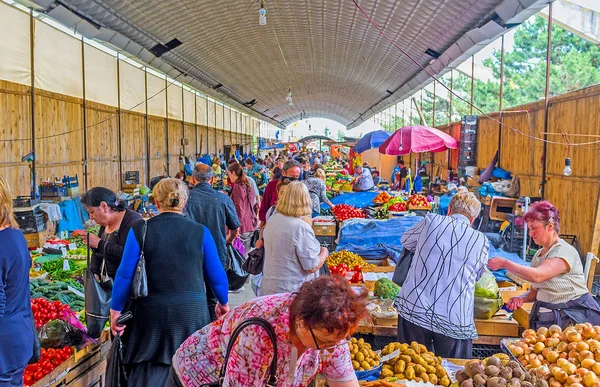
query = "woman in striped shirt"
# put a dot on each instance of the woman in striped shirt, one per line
(558, 285)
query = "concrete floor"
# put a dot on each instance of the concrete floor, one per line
(243, 295)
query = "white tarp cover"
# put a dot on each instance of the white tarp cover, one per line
(15, 61)
(189, 106)
(175, 101)
(201, 111)
(132, 87)
(157, 96)
(57, 60)
(100, 76)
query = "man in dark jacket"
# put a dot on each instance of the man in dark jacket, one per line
(216, 211)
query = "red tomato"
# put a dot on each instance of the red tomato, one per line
(68, 350)
(27, 379)
(47, 366)
(38, 375)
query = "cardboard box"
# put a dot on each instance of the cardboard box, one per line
(473, 181)
(324, 226)
(37, 239)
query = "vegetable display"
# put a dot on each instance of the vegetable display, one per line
(344, 212)
(45, 311)
(398, 207)
(363, 357)
(347, 257)
(56, 291)
(496, 371)
(50, 359)
(393, 201)
(385, 288)
(382, 197)
(561, 358)
(414, 362)
(55, 269)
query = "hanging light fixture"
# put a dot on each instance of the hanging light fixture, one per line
(289, 97)
(262, 14)
(567, 171)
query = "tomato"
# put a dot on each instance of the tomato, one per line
(27, 379)
(53, 315)
(68, 350)
(47, 366)
(38, 375)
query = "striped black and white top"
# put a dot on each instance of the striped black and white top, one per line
(438, 293)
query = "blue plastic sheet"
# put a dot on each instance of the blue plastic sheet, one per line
(355, 199)
(375, 239)
(501, 274)
(73, 215)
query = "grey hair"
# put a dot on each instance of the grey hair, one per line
(203, 173)
(465, 203)
(290, 164)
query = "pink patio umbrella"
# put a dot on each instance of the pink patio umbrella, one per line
(417, 139)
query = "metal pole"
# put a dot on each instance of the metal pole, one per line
(84, 106)
(546, 99)
(195, 127)
(207, 129)
(395, 117)
(183, 125)
(451, 88)
(216, 127)
(472, 82)
(524, 252)
(33, 175)
(119, 124)
(501, 98)
(223, 133)
(421, 108)
(147, 129)
(167, 153)
(434, 97)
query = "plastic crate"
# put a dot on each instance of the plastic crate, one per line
(71, 181)
(31, 224)
(25, 201)
(133, 177)
(481, 351)
(49, 191)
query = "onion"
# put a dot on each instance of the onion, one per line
(574, 336)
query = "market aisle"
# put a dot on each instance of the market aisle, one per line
(239, 297)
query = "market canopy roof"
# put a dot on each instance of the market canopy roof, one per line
(337, 64)
(313, 138)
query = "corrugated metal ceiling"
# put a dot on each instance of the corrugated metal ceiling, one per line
(337, 64)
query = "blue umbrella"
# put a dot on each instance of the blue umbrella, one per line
(371, 140)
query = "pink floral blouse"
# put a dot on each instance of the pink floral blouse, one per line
(198, 360)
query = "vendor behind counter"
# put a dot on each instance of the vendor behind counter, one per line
(558, 290)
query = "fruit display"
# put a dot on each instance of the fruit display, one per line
(344, 212)
(392, 201)
(418, 201)
(363, 357)
(398, 207)
(347, 257)
(414, 362)
(382, 197)
(495, 372)
(562, 358)
(50, 359)
(381, 213)
(385, 288)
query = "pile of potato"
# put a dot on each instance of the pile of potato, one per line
(414, 363)
(363, 357)
(563, 358)
(493, 374)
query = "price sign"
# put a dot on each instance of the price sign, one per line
(72, 246)
(66, 266)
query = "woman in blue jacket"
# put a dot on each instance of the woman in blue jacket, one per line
(16, 331)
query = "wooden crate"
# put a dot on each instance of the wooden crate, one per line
(37, 239)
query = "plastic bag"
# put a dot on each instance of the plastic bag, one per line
(58, 333)
(485, 308)
(236, 275)
(115, 369)
(486, 287)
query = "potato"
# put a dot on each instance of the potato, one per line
(355, 364)
(445, 381)
(386, 373)
(492, 371)
(433, 379)
(400, 367)
(365, 365)
(425, 377)
(410, 373)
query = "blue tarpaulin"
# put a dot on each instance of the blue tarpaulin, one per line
(73, 215)
(375, 239)
(355, 199)
(501, 274)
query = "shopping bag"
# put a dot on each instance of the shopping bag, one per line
(115, 369)
(236, 275)
(271, 376)
(239, 246)
(139, 283)
(97, 300)
(254, 262)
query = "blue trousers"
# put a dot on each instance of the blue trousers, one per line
(12, 378)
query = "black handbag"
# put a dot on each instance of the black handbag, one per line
(236, 275)
(140, 280)
(115, 369)
(402, 267)
(98, 296)
(255, 261)
(272, 378)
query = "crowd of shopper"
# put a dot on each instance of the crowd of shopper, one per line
(180, 331)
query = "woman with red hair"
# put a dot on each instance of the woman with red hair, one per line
(311, 328)
(558, 286)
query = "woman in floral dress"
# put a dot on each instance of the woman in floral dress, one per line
(311, 326)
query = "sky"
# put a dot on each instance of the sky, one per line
(316, 126)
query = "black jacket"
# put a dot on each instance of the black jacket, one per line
(112, 251)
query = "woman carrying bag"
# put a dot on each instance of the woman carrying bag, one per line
(310, 338)
(177, 253)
